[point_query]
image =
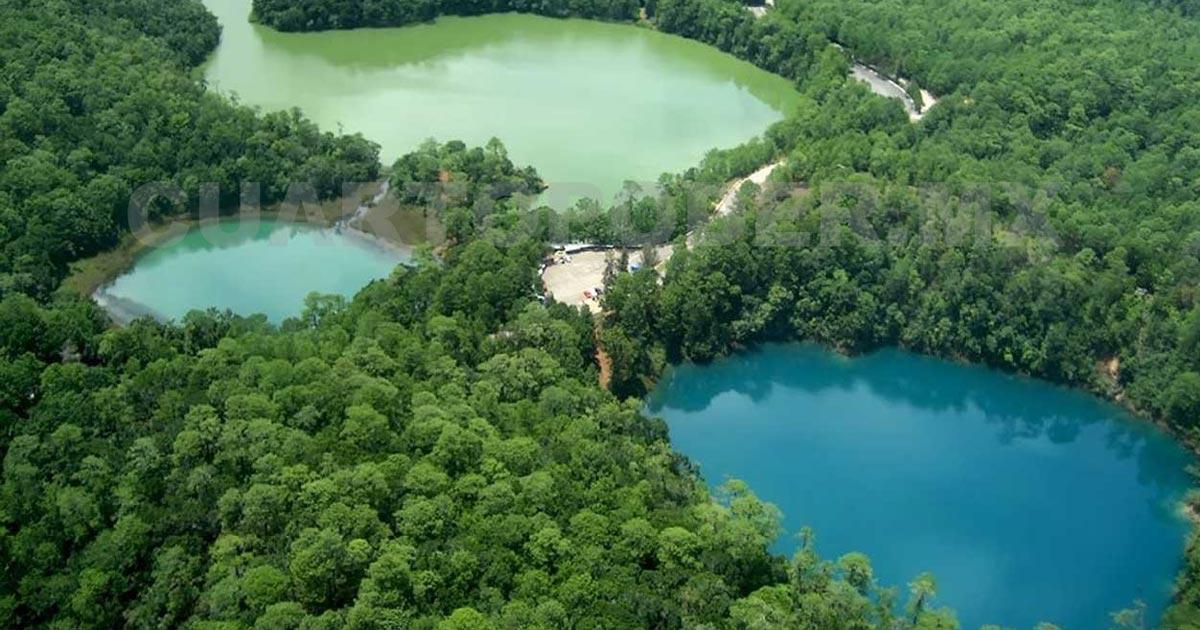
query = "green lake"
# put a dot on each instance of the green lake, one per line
(588, 104)
(247, 266)
(1027, 502)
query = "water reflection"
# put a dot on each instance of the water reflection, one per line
(247, 266)
(493, 37)
(1030, 502)
(1022, 408)
(584, 102)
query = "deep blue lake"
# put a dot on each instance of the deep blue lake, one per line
(1028, 502)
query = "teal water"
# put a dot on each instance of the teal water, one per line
(1028, 502)
(256, 266)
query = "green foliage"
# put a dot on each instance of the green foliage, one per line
(96, 100)
(1006, 228)
(289, 15)
(363, 469)
(462, 187)
(434, 453)
(783, 46)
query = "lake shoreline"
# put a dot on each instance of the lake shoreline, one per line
(1113, 393)
(91, 274)
(90, 277)
(664, 100)
(1184, 508)
(679, 400)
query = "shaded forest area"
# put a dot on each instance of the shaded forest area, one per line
(319, 15)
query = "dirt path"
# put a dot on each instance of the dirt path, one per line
(574, 279)
(759, 177)
(885, 86)
(604, 361)
(728, 202)
(571, 280)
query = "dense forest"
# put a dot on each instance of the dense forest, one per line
(1043, 218)
(312, 15)
(381, 463)
(435, 452)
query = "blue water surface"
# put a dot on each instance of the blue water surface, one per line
(1028, 502)
(247, 266)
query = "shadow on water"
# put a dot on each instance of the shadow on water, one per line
(452, 37)
(1029, 502)
(641, 102)
(247, 266)
(1020, 408)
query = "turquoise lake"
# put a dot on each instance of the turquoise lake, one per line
(255, 266)
(1028, 502)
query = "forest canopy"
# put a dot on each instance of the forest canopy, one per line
(435, 452)
(1042, 218)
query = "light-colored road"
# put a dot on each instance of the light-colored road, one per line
(884, 86)
(567, 281)
(729, 199)
(762, 10)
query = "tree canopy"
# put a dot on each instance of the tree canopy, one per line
(435, 453)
